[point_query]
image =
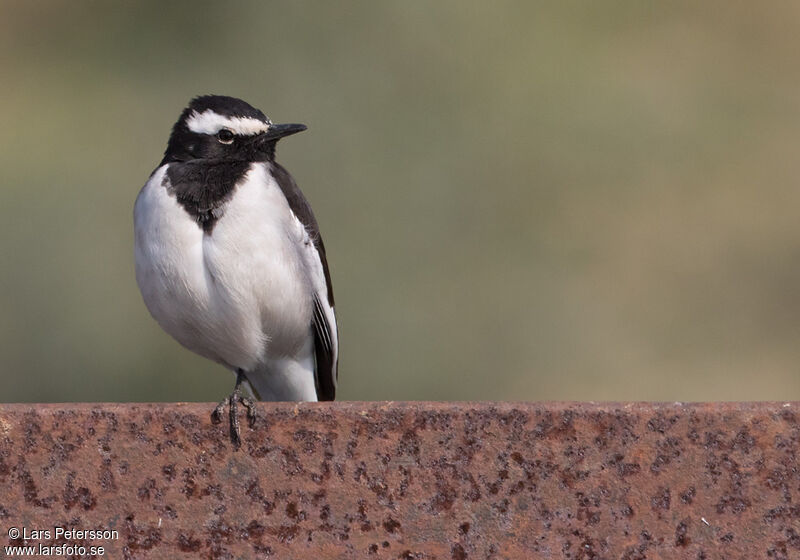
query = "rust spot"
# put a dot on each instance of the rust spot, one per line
(80, 496)
(188, 544)
(168, 471)
(687, 496)
(293, 513)
(139, 537)
(680, 533)
(391, 525)
(255, 529)
(661, 499)
(627, 511)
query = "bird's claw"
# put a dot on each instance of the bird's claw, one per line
(251, 411)
(232, 401)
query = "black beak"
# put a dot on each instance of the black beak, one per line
(278, 131)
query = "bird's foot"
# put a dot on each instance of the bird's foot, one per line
(232, 401)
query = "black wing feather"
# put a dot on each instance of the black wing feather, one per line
(327, 368)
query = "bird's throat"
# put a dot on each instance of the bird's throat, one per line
(202, 187)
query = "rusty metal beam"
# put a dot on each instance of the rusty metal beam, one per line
(407, 480)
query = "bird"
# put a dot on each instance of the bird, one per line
(230, 261)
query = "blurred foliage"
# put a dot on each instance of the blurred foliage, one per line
(521, 200)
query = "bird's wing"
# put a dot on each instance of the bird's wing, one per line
(326, 338)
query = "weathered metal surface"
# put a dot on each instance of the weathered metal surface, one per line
(408, 480)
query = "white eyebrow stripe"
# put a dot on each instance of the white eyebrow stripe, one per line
(209, 122)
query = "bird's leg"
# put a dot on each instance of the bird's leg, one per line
(232, 401)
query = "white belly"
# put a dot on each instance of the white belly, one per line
(239, 295)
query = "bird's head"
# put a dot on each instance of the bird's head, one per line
(217, 127)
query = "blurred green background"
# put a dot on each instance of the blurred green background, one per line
(520, 200)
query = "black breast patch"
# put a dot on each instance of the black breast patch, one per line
(202, 187)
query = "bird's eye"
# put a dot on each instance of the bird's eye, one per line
(225, 136)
